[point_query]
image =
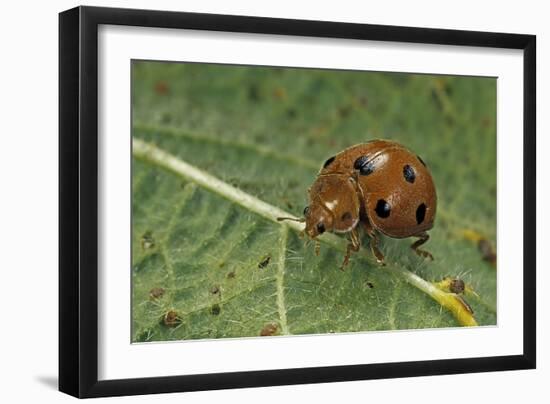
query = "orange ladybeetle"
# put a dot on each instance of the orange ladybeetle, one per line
(380, 184)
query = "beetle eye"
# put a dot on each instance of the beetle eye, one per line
(306, 210)
(320, 227)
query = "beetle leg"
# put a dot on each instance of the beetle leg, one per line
(422, 238)
(358, 189)
(374, 248)
(374, 243)
(317, 247)
(353, 245)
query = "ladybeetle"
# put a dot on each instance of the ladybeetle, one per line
(380, 184)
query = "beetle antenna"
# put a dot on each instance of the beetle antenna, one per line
(294, 219)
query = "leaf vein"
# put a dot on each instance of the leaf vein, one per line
(280, 280)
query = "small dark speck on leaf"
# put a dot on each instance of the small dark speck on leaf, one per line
(457, 286)
(449, 120)
(147, 241)
(436, 99)
(264, 262)
(291, 113)
(293, 183)
(259, 138)
(231, 275)
(171, 318)
(487, 251)
(448, 89)
(280, 93)
(215, 309)
(363, 101)
(344, 111)
(161, 87)
(269, 329)
(254, 93)
(370, 285)
(144, 336)
(485, 122)
(215, 290)
(156, 293)
(166, 117)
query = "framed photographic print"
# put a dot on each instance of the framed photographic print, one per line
(251, 201)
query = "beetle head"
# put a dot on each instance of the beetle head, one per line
(318, 219)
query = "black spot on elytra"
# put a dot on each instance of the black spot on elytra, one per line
(420, 213)
(364, 165)
(383, 209)
(422, 161)
(409, 174)
(360, 162)
(329, 161)
(346, 216)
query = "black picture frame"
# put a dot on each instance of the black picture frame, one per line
(78, 200)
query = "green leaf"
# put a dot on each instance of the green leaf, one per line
(208, 265)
